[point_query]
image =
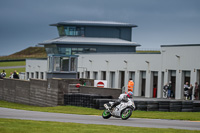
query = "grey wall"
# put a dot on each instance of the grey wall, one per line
(33, 92)
(101, 91)
(37, 92)
(109, 32)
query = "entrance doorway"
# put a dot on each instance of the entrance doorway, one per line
(173, 82)
(186, 77)
(155, 84)
(121, 78)
(143, 83)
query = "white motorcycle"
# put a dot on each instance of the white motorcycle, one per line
(123, 110)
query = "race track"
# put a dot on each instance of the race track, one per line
(88, 119)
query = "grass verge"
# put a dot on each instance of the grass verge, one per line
(12, 63)
(192, 116)
(28, 126)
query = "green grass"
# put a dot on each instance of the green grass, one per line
(192, 116)
(28, 126)
(30, 52)
(8, 71)
(13, 63)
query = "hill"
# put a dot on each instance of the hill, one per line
(30, 52)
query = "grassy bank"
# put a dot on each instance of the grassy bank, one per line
(28, 126)
(13, 63)
(192, 116)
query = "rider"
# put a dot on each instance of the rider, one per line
(122, 98)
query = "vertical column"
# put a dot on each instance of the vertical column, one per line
(166, 77)
(126, 80)
(80, 74)
(99, 75)
(39, 75)
(117, 79)
(159, 86)
(148, 87)
(137, 89)
(91, 75)
(45, 75)
(108, 78)
(193, 79)
(179, 85)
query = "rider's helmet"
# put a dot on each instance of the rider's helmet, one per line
(130, 94)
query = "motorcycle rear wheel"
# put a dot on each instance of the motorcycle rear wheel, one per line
(106, 114)
(126, 113)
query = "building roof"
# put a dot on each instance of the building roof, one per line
(94, 23)
(89, 41)
(180, 45)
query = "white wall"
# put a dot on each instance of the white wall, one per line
(36, 65)
(178, 58)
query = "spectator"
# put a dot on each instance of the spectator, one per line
(11, 75)
(3, 74)
(165, 89)
(169, 90)
(15, 75)
(196, 91)
(154, 91)
(199, 90)
(186, 91)
(190, 92)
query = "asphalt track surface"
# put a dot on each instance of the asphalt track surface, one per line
(89, 119)
(10, 67)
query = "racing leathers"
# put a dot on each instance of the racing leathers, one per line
(121, 98)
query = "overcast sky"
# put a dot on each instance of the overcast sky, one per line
(25, 23)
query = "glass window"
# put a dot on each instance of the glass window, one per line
(74, 31)
(68, 51)
(61, 30)
(86, 49)
(56, 64)
(65, 51)
(37, 75)
(80, 49)
(42, 75)
(64, 63)
(32, 75)
(93, 49)
(73, 64)
(27, 75)
(51, 49)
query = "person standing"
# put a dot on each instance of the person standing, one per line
(196, 91)
(130, 85)
(15, 75)
(186, 90)
(11, 75)
(169, 90)
(3, 74)
(190, 92)
(165, 89)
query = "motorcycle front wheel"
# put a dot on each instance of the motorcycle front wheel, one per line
(126, 113)
(106, 114)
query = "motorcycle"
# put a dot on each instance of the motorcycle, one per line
(123, 110)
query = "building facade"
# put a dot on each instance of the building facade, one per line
(76, 37)
(105, 51)
(175, 63)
